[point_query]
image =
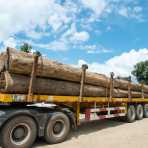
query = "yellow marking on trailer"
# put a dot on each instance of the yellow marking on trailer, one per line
(5, 98)
(8, 98)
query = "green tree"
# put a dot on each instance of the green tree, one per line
(26, 47)
(141, 71)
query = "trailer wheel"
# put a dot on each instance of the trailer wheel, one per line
(131, 114)
(19, 132)
(57, 128)
(139, 112)
(145, 109)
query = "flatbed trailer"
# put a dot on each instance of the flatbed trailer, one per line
(23, 117)
(52, 117)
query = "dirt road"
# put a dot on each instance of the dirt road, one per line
(105, 134)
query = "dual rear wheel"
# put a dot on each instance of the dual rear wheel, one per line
(139, 112)
(21, 131)
(57, 128)
(145, 108)
(136, 112)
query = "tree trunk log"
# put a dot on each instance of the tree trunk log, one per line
(14, 83)
(21, 63)
(2, 60)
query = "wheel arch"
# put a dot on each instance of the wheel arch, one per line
(17, 114)
(67, 112)
(71, 117)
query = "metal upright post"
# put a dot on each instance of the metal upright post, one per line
(33, 76)
(142, 91)
(84, 67)
(129, 88)
(111, 90)
(111, 85)
(83, 75)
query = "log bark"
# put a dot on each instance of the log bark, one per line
(2, 61)
(21, 63)
(123, 84)
(14, 83)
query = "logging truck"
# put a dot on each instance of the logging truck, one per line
(26, 116)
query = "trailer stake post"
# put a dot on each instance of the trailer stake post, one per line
(84, 67)
(111, 86)
(33, 76)
(142, 91)
(129, 88)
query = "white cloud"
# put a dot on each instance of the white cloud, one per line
(26, 15)
(69, 39)
(103, 8)
(97, 6)
(121, 65)
(129, 12)
(56, 46)
(123, 12)
(80, 36)
(36, 35)
(10, 42)
(90, 48)
(51, 17)
(73, 35)
(21, 15)
(58, 16)
(138, 9)
(94, 49)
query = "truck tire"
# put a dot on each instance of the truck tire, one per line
(57, 128)
(139, 112)
(19, 132)
(145, 110)
(131, 114)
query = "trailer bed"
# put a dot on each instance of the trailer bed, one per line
(9, 98)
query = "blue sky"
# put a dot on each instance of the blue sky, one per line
(108, 35)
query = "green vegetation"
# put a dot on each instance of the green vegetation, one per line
(141, 72)
(26, 47)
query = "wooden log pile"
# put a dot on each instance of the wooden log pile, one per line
(54, 78)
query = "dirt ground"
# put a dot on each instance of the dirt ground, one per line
(105, 134)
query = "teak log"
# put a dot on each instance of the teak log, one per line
(21, 63)
(15, 83)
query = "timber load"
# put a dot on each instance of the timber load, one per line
(54, 78)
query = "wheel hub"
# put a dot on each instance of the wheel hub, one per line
(58, 127)
(20, 134)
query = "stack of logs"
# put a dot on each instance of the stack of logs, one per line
(53, 78)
